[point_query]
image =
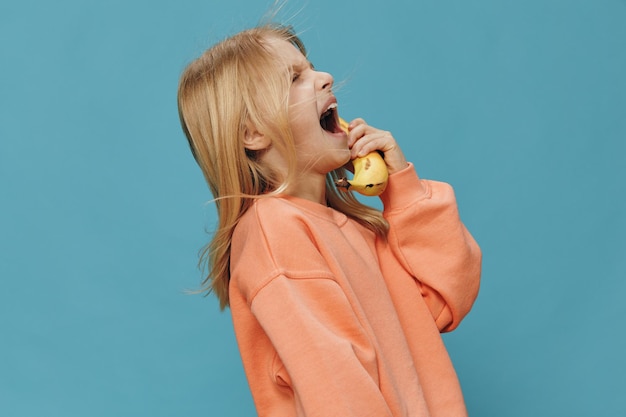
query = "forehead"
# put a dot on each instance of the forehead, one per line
(288, 53)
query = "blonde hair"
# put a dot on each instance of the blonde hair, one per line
(234, 83)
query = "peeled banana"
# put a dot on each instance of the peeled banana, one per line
(370, 172)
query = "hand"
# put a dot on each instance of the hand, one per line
(363, 139)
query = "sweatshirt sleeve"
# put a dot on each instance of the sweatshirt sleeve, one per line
(430, 241)
(328, 360)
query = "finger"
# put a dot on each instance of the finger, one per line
(354, 123)
(373, 142)
(356, 132)
(360, 130)
(369, 143)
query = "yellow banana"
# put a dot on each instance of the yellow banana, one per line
(370, 172)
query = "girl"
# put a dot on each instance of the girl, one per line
(337, 307)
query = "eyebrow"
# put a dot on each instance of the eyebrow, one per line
(302, 65)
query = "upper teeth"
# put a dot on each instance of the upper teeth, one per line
(332, 106)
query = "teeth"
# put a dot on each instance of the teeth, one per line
(327, 120)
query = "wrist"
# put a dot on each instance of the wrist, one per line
(395, 160)
(396, 164)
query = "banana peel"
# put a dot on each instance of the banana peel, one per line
(370, 172)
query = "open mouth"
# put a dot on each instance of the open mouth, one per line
(330, 120)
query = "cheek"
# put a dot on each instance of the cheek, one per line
(302, 115)
(302, 98)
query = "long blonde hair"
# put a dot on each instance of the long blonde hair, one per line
(236, 82)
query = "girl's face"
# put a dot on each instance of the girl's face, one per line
(321, 146)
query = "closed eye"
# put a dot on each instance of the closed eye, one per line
(297, 70)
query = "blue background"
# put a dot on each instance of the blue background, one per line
(521, 105)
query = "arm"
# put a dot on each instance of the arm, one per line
(426, 233)
(329, 363)
(431, 242)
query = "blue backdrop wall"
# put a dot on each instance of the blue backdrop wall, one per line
(521, 105)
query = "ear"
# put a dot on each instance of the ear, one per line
(255, 140)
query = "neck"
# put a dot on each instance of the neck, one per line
(312, 188)
(309, 185)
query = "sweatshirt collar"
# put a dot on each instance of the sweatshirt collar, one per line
(315, 209)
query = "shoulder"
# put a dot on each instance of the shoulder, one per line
(270, 221)
(290, 218)
(272, 239)
(267, 212)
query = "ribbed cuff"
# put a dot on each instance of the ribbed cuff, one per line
(403, 189)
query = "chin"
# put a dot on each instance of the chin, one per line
(343, 162)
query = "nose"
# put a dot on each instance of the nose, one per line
(324, 81)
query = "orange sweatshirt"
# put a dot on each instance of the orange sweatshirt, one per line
(332, 321)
